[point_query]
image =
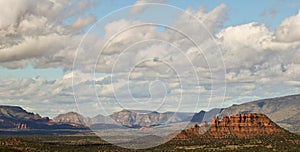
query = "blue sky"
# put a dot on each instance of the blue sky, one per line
(31, 72)
(240, 12)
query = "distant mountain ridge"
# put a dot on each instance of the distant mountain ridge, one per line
(284, 111)
(128, 118)
(16, 117)
(136, 119)
(18, 113)
(72, 118)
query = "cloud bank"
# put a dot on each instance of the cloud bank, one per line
(259, 61)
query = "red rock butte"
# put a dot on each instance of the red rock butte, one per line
(244, 125)
(239, 125)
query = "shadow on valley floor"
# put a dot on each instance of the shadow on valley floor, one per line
(45, 132)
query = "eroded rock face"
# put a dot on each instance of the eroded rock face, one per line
(132, 119)
(138, 119)
(18, 113)
(284, 111)
(16, 117)
(240, 125)
(244, 125)
(189, 133)
(192, 133)
(72, 118)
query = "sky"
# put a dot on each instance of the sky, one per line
(98, 57)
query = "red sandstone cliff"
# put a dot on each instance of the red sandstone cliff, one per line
(240, 125)
(244, 125)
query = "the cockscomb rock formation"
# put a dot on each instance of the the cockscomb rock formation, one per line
(236, 126)
(244, 125)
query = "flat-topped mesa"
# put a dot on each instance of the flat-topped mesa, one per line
(236, 126)
(243, 125)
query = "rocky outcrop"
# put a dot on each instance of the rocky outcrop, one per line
(236, 126)
(197, 131)
(72, 118)
(22, 126)
(189, 133)
(7, 123)
(244, 125)
(284, 111)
